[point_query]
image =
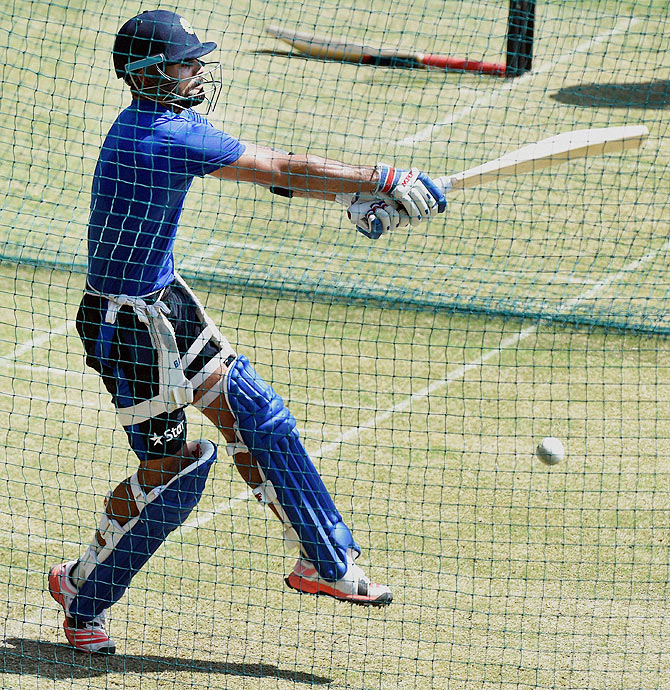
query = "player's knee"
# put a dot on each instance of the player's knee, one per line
(155, 472)
(268, 430)
(121, 549)
(258, 408)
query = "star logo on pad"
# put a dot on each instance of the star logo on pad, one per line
(156, 439)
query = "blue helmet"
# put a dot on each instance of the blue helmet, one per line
(155, 39)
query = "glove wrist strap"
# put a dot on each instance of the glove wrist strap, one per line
(388, 177)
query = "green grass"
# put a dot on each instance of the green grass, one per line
(507, 574)
(534, 242)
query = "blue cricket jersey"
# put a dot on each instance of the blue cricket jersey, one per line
(147, 164)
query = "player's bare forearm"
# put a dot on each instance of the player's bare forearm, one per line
(328, 196)
(303, 174)
(324, 178)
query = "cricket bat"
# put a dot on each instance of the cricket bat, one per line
(547, 153)
(346, 51)
(538, 156)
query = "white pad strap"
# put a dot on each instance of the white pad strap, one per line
(175, 390)
(211, 395)
(135, 414)
(173, 384)
(216, 334)
(236, 448)
(174, 387)
(111, 534)
(138, 494)
(266, 495)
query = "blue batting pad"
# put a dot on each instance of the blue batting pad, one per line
(269, 431)
(109, 580)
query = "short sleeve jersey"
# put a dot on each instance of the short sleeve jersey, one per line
(147, 164)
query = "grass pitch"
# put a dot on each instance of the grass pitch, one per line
(507, 574)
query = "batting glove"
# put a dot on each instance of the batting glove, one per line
(375, 217)
(420, 197)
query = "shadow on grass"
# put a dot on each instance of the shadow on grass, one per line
(20, 656)
(650, 95)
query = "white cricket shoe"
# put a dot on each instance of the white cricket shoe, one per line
(90, 636)
(354, 587)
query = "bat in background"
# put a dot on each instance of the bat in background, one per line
(346, 51)
(543, 154)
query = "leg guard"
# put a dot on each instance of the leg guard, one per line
(109, 568)
(268, 430)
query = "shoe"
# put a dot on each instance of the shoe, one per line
(90, 636)
(354, 587)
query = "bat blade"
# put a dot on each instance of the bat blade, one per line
(331, 49)
(548, 153)
(346, 51)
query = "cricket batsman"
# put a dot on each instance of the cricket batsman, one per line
(147, 335)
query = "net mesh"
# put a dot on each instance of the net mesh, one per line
(423, 368)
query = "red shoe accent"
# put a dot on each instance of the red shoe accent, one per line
(354, 587)
(90, 636)
(60, 585)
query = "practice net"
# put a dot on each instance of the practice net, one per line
(423, 368)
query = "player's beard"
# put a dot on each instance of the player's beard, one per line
(169, 92)
(189, 101)
(203, 88)
(166, 90)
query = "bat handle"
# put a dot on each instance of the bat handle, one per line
(445, 183)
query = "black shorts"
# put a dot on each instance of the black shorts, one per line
(125, 355)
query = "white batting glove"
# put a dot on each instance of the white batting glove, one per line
(373, 216)
(413, 190)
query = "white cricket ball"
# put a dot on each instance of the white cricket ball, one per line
(550, 450)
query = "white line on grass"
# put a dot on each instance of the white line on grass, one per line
(329, 446)
(422, 135)
(36, 341)
(454, 376)
(512, 340)
(621, 27)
